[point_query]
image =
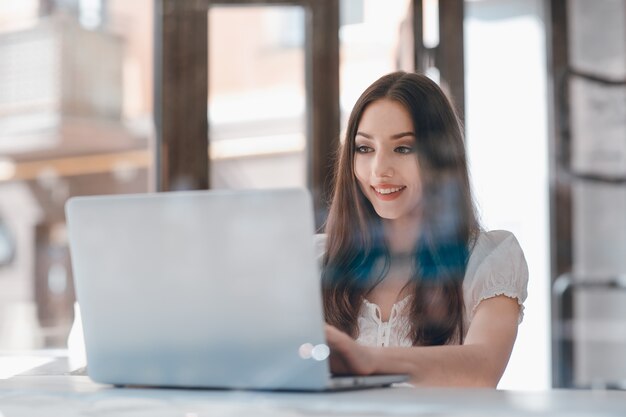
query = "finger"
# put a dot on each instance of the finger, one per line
(338, 364)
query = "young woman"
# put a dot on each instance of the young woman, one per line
(411, 283)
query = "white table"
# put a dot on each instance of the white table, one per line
(49, 390)
(66, 395)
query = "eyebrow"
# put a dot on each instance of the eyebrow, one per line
(396, 136)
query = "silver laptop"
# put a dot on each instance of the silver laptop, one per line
(211, 289)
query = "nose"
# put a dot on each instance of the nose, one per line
(382, 166)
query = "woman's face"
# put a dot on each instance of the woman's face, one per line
(385, 163)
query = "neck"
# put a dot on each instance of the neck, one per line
(401, 235)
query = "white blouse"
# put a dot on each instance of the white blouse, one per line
(496, 267)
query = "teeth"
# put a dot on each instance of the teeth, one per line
(388, 190)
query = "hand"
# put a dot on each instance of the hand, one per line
(347, 356)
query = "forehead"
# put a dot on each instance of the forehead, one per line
(385, 117)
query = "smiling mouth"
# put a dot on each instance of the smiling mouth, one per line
(388, 191)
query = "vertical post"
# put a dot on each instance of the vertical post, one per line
(323, 113)
(449, 55)
(180, 99)
(419, 55)
(560, 185)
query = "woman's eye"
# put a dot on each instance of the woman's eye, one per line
(404, 149)
(363, 149)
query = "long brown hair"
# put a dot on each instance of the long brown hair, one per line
(449, 226)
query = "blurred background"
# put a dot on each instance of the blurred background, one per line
(112, 96)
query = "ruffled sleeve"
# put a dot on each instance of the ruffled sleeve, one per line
(496, 267)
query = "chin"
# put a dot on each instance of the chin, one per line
(396, 213)
(387, 215)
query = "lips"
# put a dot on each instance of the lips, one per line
(388, 192)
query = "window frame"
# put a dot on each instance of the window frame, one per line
(181, 86)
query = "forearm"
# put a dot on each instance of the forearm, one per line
(480, 362)
(464, 365)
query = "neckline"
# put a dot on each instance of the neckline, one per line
(397, 307)
(400, 303)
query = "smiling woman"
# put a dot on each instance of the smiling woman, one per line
(406, 265)
(384, 164)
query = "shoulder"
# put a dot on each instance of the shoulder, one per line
(495, 247)
(319, 242)
(496, 266)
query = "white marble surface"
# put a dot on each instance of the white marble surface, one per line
(39, 395)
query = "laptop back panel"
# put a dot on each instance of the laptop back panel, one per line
(199, 289)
